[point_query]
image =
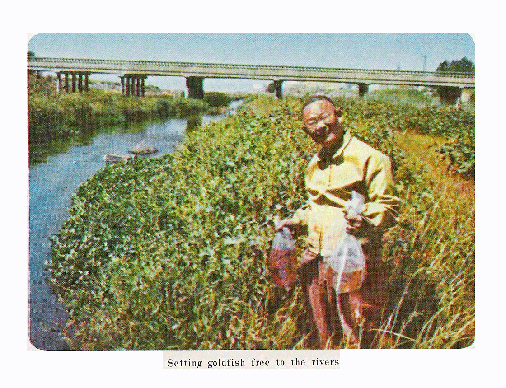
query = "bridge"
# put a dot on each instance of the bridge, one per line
(73, 74)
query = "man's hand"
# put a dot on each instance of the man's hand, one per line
(289, 223)
(354, 223)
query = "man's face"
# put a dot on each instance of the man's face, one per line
(323, 122)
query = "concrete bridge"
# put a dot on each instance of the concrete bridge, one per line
(73, 74)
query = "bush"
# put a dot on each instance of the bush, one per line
(217, 99)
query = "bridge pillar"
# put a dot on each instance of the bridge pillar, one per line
(133, 85)
(195, 87)
(449, 95)
(278, 87)
(59, 83)
(362, 90)
(66, 82)
(131, 81)
(126, 85)
(138, 87)
(73, 81)
(467, 96)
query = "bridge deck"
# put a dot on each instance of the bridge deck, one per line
(221, 70)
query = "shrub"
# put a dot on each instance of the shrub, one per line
(217, 99)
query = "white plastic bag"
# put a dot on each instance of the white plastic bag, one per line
(347, 260)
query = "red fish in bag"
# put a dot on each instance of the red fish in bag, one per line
(282, 260)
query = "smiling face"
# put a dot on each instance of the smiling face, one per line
(323, 122)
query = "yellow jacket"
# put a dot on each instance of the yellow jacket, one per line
(329, 183)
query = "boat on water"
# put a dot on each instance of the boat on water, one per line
(143, 149)
(114, 158)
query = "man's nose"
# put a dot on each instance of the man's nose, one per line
(321, 124)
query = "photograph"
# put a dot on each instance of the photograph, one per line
(251, 191)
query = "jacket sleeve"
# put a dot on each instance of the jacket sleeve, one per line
(382, 207)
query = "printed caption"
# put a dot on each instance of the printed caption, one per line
(251, 359)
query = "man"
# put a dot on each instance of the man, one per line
(342, 165)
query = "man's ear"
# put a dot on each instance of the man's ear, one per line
(339, 115)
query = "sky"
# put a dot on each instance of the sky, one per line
(405, 51)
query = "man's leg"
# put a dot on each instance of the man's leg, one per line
(373, 296)
(349, 309)
(316, 292)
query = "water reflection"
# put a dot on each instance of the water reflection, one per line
(45, 143)
(193, 122)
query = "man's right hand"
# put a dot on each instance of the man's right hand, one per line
(290, 223)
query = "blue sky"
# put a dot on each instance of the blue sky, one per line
(373, 51)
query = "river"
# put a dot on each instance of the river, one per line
(53, 180)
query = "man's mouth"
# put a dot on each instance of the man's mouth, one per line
(321, 134)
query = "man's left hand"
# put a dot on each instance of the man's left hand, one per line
(354, 223)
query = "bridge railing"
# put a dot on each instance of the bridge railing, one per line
(121, 62)
(254, 71)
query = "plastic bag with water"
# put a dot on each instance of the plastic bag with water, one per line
(282, 261)
(346, 260)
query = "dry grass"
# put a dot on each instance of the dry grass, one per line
(433, 306)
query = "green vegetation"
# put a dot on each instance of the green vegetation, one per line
(217, 99)
(60, 115)
(408, 96)
(67, 113)
(454, 126)
(463, 65)
(450, 94)
(169, 253)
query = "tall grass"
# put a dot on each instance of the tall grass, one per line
(432, 252)
(97, 107)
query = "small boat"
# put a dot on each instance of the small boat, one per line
(143, 149)
(113, 158)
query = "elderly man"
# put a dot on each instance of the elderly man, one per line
(342, 165)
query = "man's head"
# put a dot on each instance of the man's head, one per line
(323, 121)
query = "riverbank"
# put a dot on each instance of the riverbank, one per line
(62, 114)
(72, 113)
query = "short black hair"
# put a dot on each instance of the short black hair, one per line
(318, 97)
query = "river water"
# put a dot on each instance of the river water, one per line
(53, 180)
